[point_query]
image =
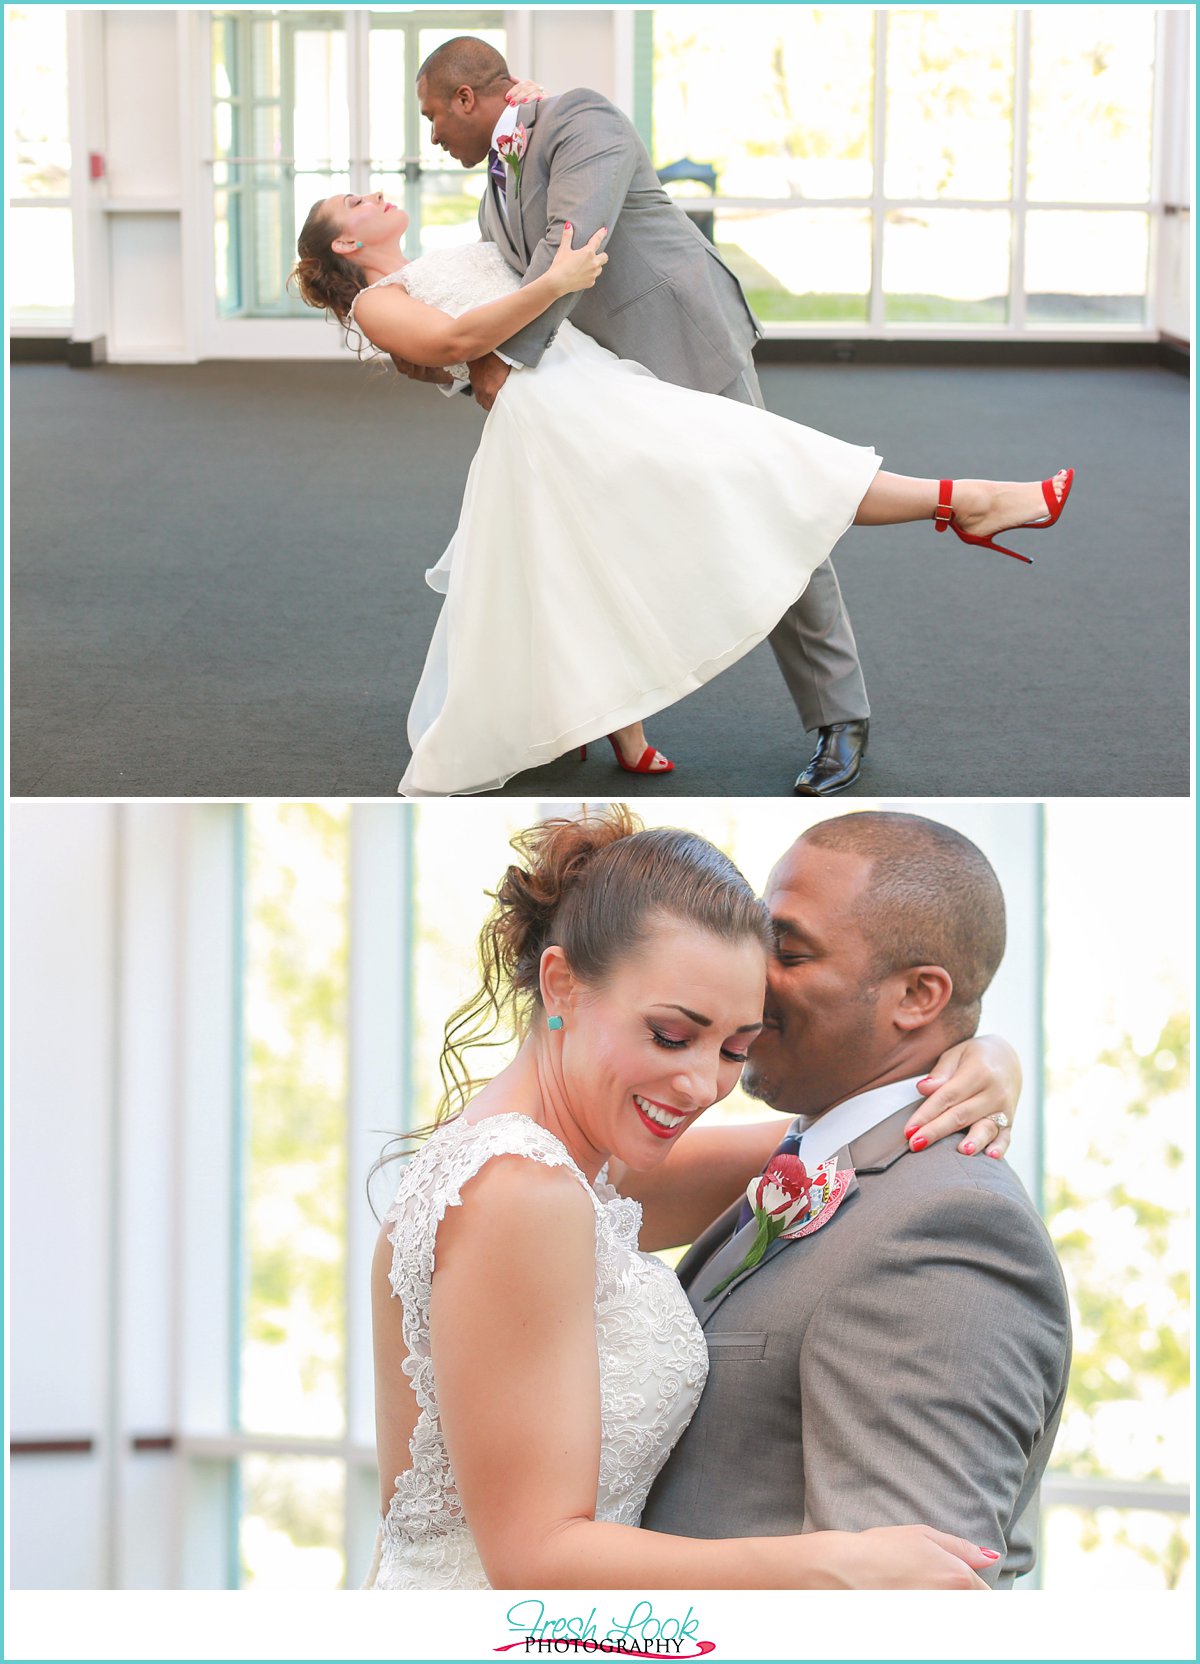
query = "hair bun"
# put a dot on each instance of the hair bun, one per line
(556, 853)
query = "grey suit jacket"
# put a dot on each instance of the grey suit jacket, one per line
(665, 298)
(906, 1363)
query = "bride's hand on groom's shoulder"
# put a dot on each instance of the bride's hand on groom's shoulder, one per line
(973, 1088)
(525, 92)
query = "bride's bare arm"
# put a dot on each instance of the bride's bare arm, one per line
(406, 328)
(512, 1334)
(710, 1167)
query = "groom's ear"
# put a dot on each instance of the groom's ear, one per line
(464, 97)
(920, 995)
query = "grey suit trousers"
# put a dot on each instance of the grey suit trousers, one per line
(813, 642)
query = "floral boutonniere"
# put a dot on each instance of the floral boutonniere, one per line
(780, 1197)
(510, 148)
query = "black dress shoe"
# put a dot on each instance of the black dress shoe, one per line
(837, 761)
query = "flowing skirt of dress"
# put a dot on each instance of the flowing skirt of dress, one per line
(621, 542)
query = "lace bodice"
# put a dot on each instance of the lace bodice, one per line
(454, 280)
(653, 1359)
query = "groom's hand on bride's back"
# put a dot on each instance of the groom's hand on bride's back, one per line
(488, 375)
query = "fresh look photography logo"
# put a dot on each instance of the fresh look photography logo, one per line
(643, 1634)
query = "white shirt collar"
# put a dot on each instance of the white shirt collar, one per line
(847, 1121)
(507, 124)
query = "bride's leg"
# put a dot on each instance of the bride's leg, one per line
(631, 743)
(981, 507)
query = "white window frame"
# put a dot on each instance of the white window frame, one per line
(1170, 40)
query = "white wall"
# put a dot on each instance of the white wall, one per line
(97, 925)
(136, 123)
(63, 1012)
(564, 42)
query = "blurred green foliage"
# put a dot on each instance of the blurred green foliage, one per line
(1117, 1219)
(295, 1149)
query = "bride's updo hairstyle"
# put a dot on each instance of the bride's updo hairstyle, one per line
(323, 279)
(595, 887)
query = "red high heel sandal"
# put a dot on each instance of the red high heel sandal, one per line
(642, 766)
(944, 515)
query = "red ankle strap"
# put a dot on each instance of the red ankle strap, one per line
(944, 513)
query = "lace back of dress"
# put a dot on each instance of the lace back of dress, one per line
(425, 1498)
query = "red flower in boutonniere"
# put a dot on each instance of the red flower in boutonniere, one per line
(780, 1197)
(510, 148)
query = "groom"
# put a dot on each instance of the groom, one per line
(905, 1359)
(666, 299)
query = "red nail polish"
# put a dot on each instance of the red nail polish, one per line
(910, 1129)
(990, 1552)
(919, 1141)
(995, 1154)
(968, 1149)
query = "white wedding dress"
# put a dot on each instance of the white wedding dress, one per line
(621, 542)
(653, 1358)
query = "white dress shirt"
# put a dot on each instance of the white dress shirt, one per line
(847, 1121)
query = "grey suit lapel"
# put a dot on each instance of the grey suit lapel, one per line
(873, 1152)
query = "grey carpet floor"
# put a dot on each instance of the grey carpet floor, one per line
(217, 588)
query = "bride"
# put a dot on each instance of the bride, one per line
(622, 540)
(529, 1392)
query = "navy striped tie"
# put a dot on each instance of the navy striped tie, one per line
(789, 1147)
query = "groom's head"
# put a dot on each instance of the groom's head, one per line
(889, 928)
(461, 88)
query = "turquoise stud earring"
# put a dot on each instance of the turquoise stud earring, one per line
(554, 1022)
(358, 245)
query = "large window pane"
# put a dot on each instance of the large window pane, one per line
(1083, 268)
(227, 213)
(279, 92)
(946, 266)
(777, 98)
(1090, 103)
(38, 150)
(949, 103)
(292, 1523)
(1119, 1148)
(320, 118)
(38, 265)
(294, 1188)
(449, 207)
(800, 265)
(1117, 1548)
(389, 93)
(39, 252)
